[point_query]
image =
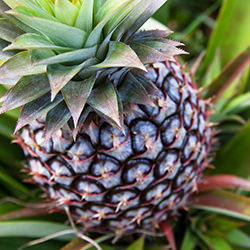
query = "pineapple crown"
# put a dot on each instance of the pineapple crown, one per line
(64, 59)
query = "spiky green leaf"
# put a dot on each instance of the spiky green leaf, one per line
(136, 18)
(15, 3)
(8, 31)
(138, 95)
(36, 109)
(114, 22)
(109, 7)
(150, 55)
(84, 20)
(20, 65)
(104, 100)
(121, 55)
(26, 90)
(61, 34)
(39, 11)
(66, 12)
(167, 47)
(60, 75)
(76, 95)
(81, 120)
(96, 34)
(56, 119)
(150, 35)
(76, 56)
(33, 41)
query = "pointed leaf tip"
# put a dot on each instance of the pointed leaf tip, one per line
(26, 90)
(59, 75)
(104, 101)
(76, 95)
(56, 119)
(168, 231)
(37, 108)
(121, 55)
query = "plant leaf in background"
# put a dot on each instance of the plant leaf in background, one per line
(238, 238)
(231, 35)
(223, 202)
(32, 229)
(137, 245)
(234, 158)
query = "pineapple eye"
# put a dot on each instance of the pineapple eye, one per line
(143, 134)
(82, 149)
(171, 130)
(104, 166)
(122, 198)
(192, 148)
(157, 192)
(168, 164)
(87, 188)
(189, 114)
(111, 137)
(172, 86)
(136, 171)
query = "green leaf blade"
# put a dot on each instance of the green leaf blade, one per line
(104, 100)
(20, 65)
(60, 75)
(33, 41)
(37, 108)
(61, 34)
(26, 90)
(56, 119)
(121, 55)
(223, 202)
(76, 95)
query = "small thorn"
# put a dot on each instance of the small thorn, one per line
(197, 64)
(213, 124)
(215, 133)
(52, 177)
(138, 221)
(210, 101)
(185, 208)
(200, 90)
(211, 112)
(84, 196)
(209, 166)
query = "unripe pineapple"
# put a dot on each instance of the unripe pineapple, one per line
(112, 127)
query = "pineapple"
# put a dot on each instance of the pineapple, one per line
(111, 125)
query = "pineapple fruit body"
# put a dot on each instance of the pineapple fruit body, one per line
(124, 182)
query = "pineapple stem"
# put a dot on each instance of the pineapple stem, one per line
(78, 233)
